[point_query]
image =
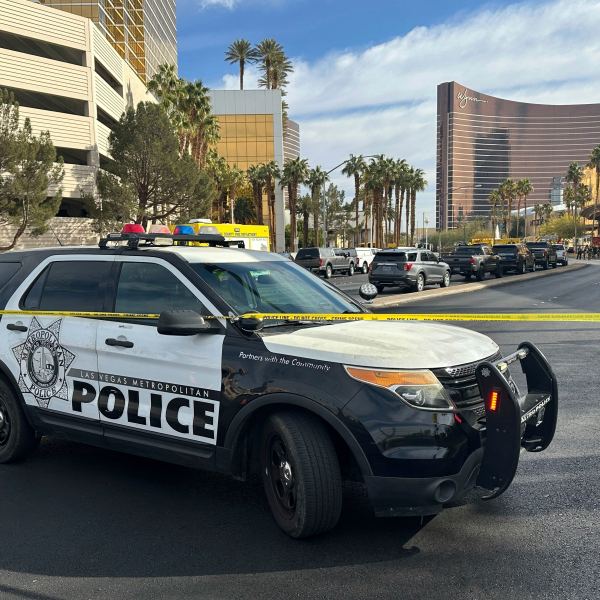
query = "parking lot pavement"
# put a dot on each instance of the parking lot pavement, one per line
(78, 522)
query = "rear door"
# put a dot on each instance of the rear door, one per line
(158, 391)
(53, 358)
(433, 270)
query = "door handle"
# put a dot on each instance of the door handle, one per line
(116, 342)
(16, 327)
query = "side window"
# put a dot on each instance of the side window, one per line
(411, 256)
(149, 288)
(70, 285)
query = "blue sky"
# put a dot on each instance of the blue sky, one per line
(366, 72)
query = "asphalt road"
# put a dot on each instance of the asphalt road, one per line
(78, 522)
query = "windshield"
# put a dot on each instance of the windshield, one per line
(308, 253)
(470, 250)
(273, 287)
(505, 249)
(537, 244)
(558, 246)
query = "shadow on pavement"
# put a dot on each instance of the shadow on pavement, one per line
(77, 511)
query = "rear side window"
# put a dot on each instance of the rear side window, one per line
(395, 257)
(307, 253)
(70, 285)
(7, 271)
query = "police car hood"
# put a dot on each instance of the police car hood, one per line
(403, 345)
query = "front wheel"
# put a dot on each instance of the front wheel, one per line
(446, 280)
(420, 283)
(523, 268)
(301, 474)
(328, 272)
(480, 274)
(17, 438)
(546, 265)
(351, 270)
(499, 272)
(365, 268)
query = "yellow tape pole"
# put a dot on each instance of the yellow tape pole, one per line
(517, 317)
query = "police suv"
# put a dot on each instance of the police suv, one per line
(154, 344)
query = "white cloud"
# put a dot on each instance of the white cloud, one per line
(383, 98)
(224, 3)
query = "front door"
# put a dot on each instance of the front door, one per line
(48, 354)
(152, 386)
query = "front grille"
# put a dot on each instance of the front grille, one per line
(461, 384)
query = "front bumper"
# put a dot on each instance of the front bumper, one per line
(526, 421)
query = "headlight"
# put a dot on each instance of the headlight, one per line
(420, 388)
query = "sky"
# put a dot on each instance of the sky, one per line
(366, 73)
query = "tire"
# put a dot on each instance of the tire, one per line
(480, 276)
(446, 280)
(17, 438)
(328, 271)
(420, 283)
(499, 272)
(351, 270)
(468, 277)
(523, 268)
(546, 265)
(365, 268)
(380, 288)
(301, 474)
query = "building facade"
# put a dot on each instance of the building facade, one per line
(143, 32)
(483, 140)
(251, 130)
(70, 81)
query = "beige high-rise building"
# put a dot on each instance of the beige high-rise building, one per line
(143, 32)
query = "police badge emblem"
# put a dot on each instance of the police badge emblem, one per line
(43, 363)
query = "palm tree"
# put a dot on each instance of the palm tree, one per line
(400, 186)
(257, 178)
(242, 52)
(234, 180)
(508, 193)
(569, 197)
(270, 53)
(243, 211)
(418, 184)
(374, 189)
(295, 172)
(304, 206)
(316, 180)
(594, 163)
(271, 173)
(355, 167)
(524, 188)
(495, 201)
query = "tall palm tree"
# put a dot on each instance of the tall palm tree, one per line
(400, 184)
(242, 52)
(271, 173)
(524, 189)
(418, 184)
(316, 180)
(304, 206)
(495, 201)
(295, 172)
(269, 53)
(374, 189)
(355, 167)
(594, 163)
(257, 178)
(234, 180)
(508, 193)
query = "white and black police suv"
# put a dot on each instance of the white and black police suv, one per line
(420, 413)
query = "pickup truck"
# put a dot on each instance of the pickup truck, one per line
(474, 260)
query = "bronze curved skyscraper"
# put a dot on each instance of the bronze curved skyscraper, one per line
(483, 140)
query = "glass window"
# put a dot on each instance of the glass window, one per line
(149, 288)
(7, 270)
(70, 285)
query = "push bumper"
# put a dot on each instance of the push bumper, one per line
(513, 422)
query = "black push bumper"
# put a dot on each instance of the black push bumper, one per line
(513, 422)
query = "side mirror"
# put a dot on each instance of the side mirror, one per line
(250, 324)
(367, 292)
(183, 322)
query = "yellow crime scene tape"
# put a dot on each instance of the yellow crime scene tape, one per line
(521, 317)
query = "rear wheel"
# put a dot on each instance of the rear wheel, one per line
(380, 288)
(328, 272)
(499, 271)
(351, 269)
(301, 474)
(446, 280)
(420, 283)
(468, 277)
(480, 274)
(365, 268)
(17, 438)
(546, 265)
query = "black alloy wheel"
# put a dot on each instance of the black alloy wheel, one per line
(17, 437)
(4, 424)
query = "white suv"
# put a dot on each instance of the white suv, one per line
(365, 256)
(561, 255)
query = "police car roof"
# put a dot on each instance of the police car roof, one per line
(204, 254)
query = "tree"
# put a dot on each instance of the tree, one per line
(241, 51)
(316, 180)
(257, 177)
(149, 179)
(243, 211)
(562, 227)
(508, 194)
(273, 64)
(355, 167)
(400, 186)
(28, 165)
(304, 205)
(295, 172)
(272, 173)
(495, 201)
(417, 184)
(594, 163)
(523, 190)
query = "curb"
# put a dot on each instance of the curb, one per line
(397, 300)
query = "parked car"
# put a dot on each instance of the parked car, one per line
(414, 269)
(365, 258)
(351, 258)
(515, 257)
(561, 254)
(474, 260)
(323, 261)
(544, 254)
